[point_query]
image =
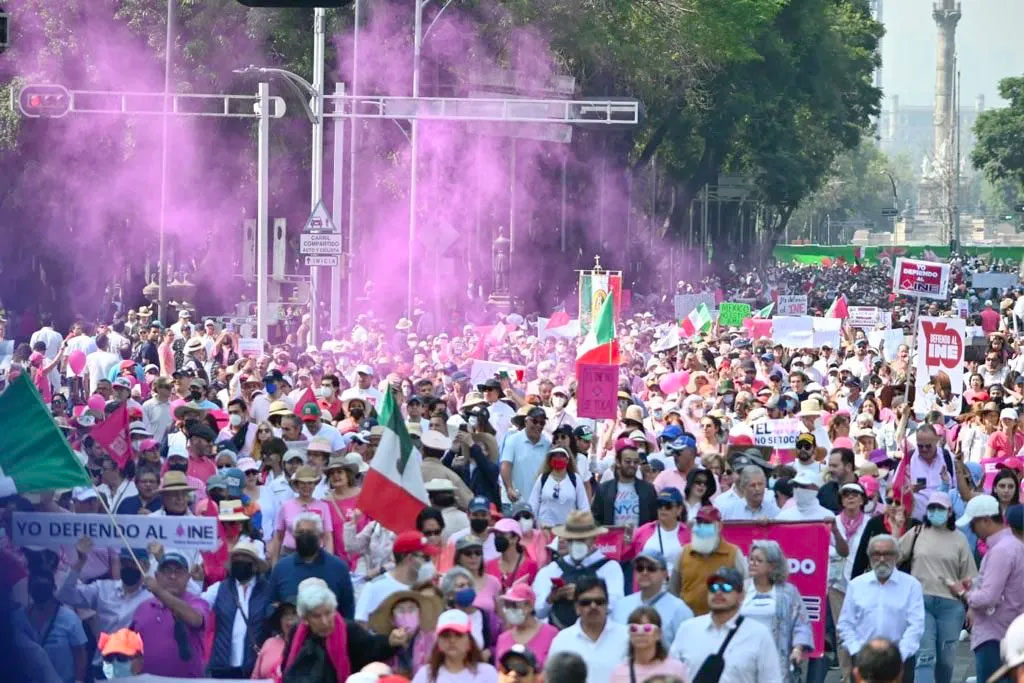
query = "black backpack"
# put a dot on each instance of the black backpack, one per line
(563, 612)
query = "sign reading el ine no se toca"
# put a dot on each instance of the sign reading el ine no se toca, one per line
(55, 530)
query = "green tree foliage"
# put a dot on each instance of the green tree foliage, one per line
(999, 150)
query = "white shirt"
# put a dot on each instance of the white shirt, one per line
(601, 655)
(551, 511)
(501, 418)
(330, 433)
(750, 657)
(738, 509)
(894, 610)
(98, 364)
(53, 339)
(611, 572)
(157, 417)
(238, 626)
(376, 592)
(667, 543)
(273, 494)
(82, 343)
(672, 610)
(125, 490)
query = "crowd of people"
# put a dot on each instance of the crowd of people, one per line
(503, 576)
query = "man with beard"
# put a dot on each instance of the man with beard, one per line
(885, 602)
(412, 552)
(706, 553)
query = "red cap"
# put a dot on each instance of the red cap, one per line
(709, 513)
(413, 542)
(741, 440)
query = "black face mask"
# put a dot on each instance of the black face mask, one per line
(130, 576)
(306, 545)
(178, 467)
(443, 500)
(216, 495)
(242, 570)
(478, 525)
(41, 592)
(195, 395)
(501, 544)
(356, 414)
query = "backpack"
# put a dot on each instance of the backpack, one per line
(544, 480)
(563, 612)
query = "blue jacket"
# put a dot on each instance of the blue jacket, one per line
(484, 480)
(291, 570)
(225, 605)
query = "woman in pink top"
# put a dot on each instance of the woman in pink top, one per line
(469, 554)
(271, 654)
(341, 475)
(513, 565)
(305, 479)
(647, 654)
(1008, 439)
(40, 369)
(523, 626)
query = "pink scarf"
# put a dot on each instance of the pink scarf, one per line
(850, 526)
(336, 645)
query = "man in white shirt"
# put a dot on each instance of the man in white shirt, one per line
(746, 646)
(411, 552)
(364, 388)
(651, 572)
(806, 507)
(53, 340)
(501, 413)
(100, 362)
(156, 410)
(754, 504)
(806, 446)
(885, 602)
(600, 641)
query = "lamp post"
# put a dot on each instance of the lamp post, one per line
(895, 202)
(161, 281)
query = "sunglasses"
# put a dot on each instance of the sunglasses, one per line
(803, 446)
(721, 587)
(592, 602)
(432, 532)
(646, 568)
(642, 628)
(517, 666)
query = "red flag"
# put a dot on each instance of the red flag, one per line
(480, 350)
(113, 435)
(307, 397)
(901, 488)
(558, 318)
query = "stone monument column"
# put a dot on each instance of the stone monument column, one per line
(946, 14)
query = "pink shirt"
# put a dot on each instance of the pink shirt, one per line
(538, 645)
(1000, 444)
(670, 478)
(486, 597)
(292, 509)
(666, 667)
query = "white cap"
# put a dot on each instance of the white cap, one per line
(364, 369)
(436, 440)
(83, 493)
(439, 485)
(979, 506)
(176, 447)
(806, 478)
(293, 453)
(453, 620)
(1011, 648)
(1008, 414)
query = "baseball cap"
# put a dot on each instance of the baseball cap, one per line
(671, 433)
(654, 556)
(172, 557)
(670, 494)
(83, 493)
(806, 478)
(708, 513)
(583, 432)
(310, 412)
(979, 506)
(729, 575)
(521, 651)
(1008, 414)
(453, 620)
(413, 542)
(479, 504)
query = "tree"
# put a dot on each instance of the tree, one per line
(999, 150)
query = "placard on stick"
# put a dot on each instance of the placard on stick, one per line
(597, 390)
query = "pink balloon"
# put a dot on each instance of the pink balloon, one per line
(673, 382)
(76, 361)
(96, 403)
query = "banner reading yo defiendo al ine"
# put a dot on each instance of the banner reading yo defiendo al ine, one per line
(805, 545)
(58, 530)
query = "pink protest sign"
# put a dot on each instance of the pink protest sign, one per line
(612, 543)
(990, 466)
(597, 387)
(805, 545)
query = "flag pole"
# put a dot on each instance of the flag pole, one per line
(913, 361)
(106, 509)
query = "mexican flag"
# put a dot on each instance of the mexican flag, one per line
(765, 312)
(600, 345)
(698, 320)
(34, 455)
(394, 492)
(559, 326)
(838, 308)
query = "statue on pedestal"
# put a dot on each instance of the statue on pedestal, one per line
(500, 260)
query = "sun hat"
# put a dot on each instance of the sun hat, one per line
(174, 481)
(254, 549)
(440, 485)
(520, 592)
(579, 525)
(307, 474)
(381, 620)
(231, 511)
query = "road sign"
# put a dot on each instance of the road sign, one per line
(322, 261)
(319, 221)
(320, 244)
(890, 212)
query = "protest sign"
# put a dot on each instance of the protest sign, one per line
(793, 332)
(482, 370)
(994, 280)
(777, 433)
(55, 530)
(595, 287)
(962, 308)
(612, 543)
(940, 348)
(250, 347)
(990, 467)
(920, 278)
(597, 387)
(887, 342)
(6, 352)
(758, 327)
(684, 303)
(864, 317)
(826, 331)
(731, 314)
(792, 304)
(805, 545)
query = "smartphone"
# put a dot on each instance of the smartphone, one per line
(557, 582)
(921, 481)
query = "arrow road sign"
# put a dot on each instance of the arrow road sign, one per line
(330, 261)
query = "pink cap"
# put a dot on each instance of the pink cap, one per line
(247, 464)
(940, 498)
(36, 358)
(870, 485)
(148, 445)
(520, 592)
(843, 442)
(509, 526)
(1011, 463)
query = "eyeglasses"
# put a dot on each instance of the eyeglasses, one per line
(642, 628)
(645, 568)
(665, 505)
(592, 602)
(472, 552)
(432, 532)
(721, 588)
(537, 421)
(804, 446)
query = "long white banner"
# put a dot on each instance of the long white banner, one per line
(57, 529)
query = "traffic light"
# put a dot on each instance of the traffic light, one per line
(296, 3)
(44, 101)
(4, 30)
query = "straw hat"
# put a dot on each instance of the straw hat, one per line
(279, 408)
(306, 474)
(174, 481)
(474, 398)
(254, 549)
(810, 408)
(232, 511)
(580, 525)
(380, 620)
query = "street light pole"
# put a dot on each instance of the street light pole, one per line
(161, 306)
(895, 203)
(417, 45)
(317, 161)
(262, 210)
(353, 144)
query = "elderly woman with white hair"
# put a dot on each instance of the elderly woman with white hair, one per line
(770, 599)
(325, 647)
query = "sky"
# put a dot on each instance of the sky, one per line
(988, 40)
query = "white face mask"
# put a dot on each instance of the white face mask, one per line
(578, 550)
(526, 523)
(323, 392)
(805, 497)
(515, 617)
(426, 573)
(117, 670)
(234, 419)
(558, 402)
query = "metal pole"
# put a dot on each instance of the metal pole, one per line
(317, 161)
(957, 87)
(353, 144)
(512, 199)
(161, 306)
(913, 345)
(565, 163)
(262, 210)
(417, 45)
(336, 206)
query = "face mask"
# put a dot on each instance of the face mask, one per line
(558, 402)
(526, 523)
(578, 550)
(938, 517)
(465, 597)
(234, 419)
(130, 576)
(41, 592)
(178, 467)
(658, 412)
(306, 545)
(271, 387)
(426, 572)
(222, 470)
(195, 395)
(515, 617)
(112, 670)
(356, 414)
(704, 530)
(323, 392)
(805, 497)
(884, 570)
(410, 621)
(242, 570)
(501, 544)
(559, 463)
(478, 525)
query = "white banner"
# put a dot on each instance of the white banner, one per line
(61, 529)
(962, 308)
(793, 332)
(792, 304)
(684, 303)
(250, 346)
(483, 370)
(826, 331)
(777, 433)
(997, 280)
(940, 348)
(865, 317)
